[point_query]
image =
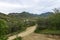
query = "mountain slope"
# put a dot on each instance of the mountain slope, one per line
(23, 15)
(46, 14)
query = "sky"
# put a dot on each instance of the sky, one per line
(32, 6)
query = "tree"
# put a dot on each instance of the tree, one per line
(54, 21)
(56, 10)
(3, 27)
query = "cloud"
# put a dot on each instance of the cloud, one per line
(7, 7)
(33, 6)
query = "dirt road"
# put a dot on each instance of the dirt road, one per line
(25, 33)
(35, 36)
(29, 35)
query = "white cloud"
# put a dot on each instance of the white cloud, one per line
(9, 5)
(34, 6)
(36, 1)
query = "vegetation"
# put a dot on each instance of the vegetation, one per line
(3, 29)
(18, 38)
(49, 25)
(3, 37)
(13, 23)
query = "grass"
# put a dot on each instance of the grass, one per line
(46, 31)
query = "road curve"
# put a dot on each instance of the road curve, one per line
(28, 31)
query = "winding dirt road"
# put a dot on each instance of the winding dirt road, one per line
(28, 31)
(29, 35)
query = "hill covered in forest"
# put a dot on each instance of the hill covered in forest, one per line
(46, 14)
(25, 15)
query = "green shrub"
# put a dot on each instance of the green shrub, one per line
(50, 25)
(18, 38)
(3, 37)
(3, 27)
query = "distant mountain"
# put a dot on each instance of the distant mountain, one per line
(46, 14)
(29, 15)
(23, 15)
(4, 16)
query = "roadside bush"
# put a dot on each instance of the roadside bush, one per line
(3, 37)
(18, 38)
(3, 27)
(50, 25)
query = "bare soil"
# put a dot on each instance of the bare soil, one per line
(35, 36)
